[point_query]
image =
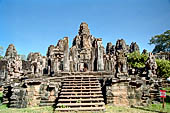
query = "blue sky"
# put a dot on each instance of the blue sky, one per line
(33, 25)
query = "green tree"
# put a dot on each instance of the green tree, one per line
(1, 52)
(163, 69)
(161, 42)
(137, 60)
(23, 57)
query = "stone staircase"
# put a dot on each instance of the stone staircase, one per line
(80, 93)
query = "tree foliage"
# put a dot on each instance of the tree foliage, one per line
(23, 57)
(1, 52)
(161, 42)
(137, 60)
(163, 69)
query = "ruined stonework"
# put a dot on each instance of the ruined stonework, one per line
(3, 71)
(151, 65)
(38, 80)
(110, 49)
(58, 57)
(38, 63)
(121, 46)
(133, 47)
(10, 52)
(86, 50)
(13, 93)
(163, 55)
(121, 58)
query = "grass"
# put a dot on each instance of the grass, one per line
(115, 109)
(1, 95)
(4, 109)
(109, 109)
(158, 107)
(154, 108)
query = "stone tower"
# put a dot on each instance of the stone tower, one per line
(86, 51)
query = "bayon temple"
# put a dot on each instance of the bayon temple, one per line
(84, 77)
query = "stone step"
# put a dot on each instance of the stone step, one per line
(80, 81)
(80, 93)
(13, 101)
(78, 84)
(81, 76)
(80, 87)
(81, 96)
(13, 105)
(79, 90)
(81, 100)
(46, 104)
(5, 102)
(81, 104)
(46, 101)
(81, 109)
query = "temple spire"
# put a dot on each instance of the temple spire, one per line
(84, 30)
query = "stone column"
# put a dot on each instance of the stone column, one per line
(100, 63)
(66, 55)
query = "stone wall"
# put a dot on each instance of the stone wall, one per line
(3, 71)
(58, 57)
(163, 55)
(117, 94)
(33, 94)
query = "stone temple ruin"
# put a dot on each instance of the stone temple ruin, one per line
(83, 77)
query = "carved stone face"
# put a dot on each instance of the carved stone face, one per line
(84, 30)
(11, 52)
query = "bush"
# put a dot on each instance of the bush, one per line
(137, 60)
(1, 96)
(163, 69)
(1, 57)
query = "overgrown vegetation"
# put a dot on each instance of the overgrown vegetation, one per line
(137, 60)
(163, 69)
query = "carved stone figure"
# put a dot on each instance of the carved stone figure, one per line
(10, 52)
(151, 65)
(121, 45)
(121, 59)
(121, 62)
(134, 47)
(110, 49)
